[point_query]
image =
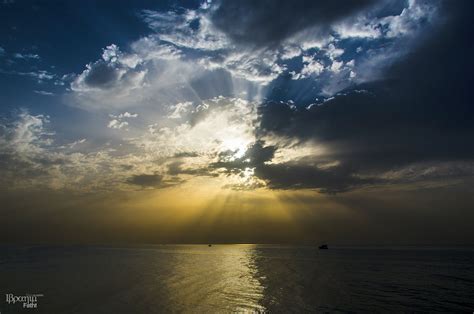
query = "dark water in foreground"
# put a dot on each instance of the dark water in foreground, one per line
(237, 278)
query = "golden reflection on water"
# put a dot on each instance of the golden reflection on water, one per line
(217, 278)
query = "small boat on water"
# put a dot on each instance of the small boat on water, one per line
(323, 247)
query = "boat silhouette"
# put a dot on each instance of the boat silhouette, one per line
(323, 247)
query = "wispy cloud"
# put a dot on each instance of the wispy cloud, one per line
(39, 75)
(26, 56)
(44, 93)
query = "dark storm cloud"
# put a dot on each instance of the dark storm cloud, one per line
(421, 112)
(269, 21)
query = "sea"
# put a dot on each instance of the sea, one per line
(237, 278)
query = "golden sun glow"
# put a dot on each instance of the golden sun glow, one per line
(238, 145)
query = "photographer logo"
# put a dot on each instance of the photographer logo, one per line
(28, 301)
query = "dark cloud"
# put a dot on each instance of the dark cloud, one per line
(176, 168)
(101, 75)
(293, 175)
(422, 112)
(146, 180)
(109, 73)
(156, 181)
(297, 174)
(270, 21)
(256, 155)
(185, 154)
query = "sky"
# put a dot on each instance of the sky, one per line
(347, 122)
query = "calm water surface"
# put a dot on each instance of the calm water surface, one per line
(237, 278)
